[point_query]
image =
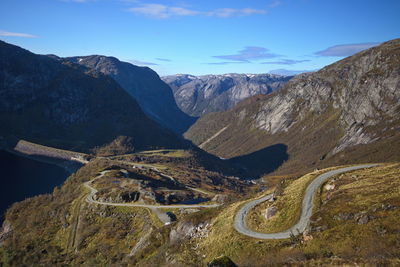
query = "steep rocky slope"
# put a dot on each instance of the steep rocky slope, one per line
(346, 112)
(152, 94)
(199, 95)
(65, 105)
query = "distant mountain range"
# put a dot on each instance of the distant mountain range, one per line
(142, 83)
(56, 102)
(199, 95)
(347, 112)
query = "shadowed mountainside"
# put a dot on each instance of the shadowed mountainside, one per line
(66, 105)
(142, 83)
(263, 161)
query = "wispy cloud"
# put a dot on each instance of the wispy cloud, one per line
(17, 34)
(225, 62)
(77, 1)
(274, 4)
(286, 72)
(161, 11)
(345, 50)
(163, 59)
(232, 12)
(142, 63)
(130, 1)
(286, 62)
(248, 54)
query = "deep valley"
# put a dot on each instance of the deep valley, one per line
(106, 163)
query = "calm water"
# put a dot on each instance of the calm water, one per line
(22, 178)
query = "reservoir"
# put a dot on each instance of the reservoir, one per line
(22, 177)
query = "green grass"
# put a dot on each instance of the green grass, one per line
(173, 153)
(288, 205)
(341, 243)
(362, 191)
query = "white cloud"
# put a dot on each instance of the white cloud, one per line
(142, 63)
(17, 34)
(248, 54)
(345, 50)
(286, 62)
(163, 59)
(231, 12)
(161, 11)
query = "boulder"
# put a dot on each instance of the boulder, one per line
(363, 219)
(307, 236)
(188, 230)
(270, 211)
(220, 198)
(329, 187)
(182, 230)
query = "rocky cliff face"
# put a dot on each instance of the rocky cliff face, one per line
(364, 89)
(199, 95)
(61, 104)
(351, 103)
(142, 83)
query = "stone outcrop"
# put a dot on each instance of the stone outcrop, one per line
(220, 198)
(188, 230)
(269, 212)
(363, 88)
(5, 231)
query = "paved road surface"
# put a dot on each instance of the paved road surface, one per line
(155, 208)
(307, 207)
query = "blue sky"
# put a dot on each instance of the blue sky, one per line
(202, 36)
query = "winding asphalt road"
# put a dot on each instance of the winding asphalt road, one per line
(306, 211)
(161, 215)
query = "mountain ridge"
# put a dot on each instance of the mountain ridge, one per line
(199, 95)
(319, 116)
(142, 83)
(65, 105)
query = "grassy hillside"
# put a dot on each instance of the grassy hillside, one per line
(62, 228)
(339, 234)
(354, 222)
